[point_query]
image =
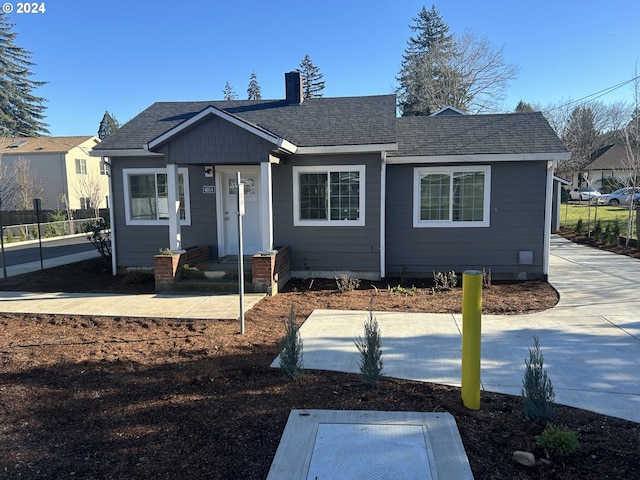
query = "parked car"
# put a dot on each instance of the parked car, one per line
(587, 193)
(619, 197)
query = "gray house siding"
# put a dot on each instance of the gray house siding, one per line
(217, 141)
(333, 248)
(137, 244)
(517, 224)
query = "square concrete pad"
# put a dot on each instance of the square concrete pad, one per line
(344, 444)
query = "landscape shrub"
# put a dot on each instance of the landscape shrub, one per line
(346, 283)
(444, 281)
(579, 227)
(558, 440)
(537, 390)
(597, 231)
(99, 236)
(292, 348)
(615, 233)
(370, 348)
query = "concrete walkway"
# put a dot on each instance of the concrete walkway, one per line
(590, 340)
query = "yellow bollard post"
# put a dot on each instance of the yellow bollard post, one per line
(471, 333)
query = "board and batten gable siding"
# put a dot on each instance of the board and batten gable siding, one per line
(332, 248)
(517, 216)
(137, 244)
(216, 141)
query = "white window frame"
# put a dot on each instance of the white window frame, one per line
(81, 166)
(486, 220)
(127, 173)
(298, 222)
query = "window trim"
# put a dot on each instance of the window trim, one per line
(127, 173)
(81, 166)
(486, 219)
(327, 169)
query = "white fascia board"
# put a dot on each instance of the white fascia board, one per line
(490, 157)
(279, 142)
(131, 152)
(332, 149)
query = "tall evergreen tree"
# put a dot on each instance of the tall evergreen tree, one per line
(108, 125)
(312, 83)
(21, 112)
(425, 55)
(439, 69)
(523, 107)
(253, 90)
(228, 92)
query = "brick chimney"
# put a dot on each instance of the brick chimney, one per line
(293, 87)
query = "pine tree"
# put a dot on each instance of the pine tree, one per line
(523, 107)
(312, 83)
(228, 92)
(425, 55)
(439, 69)
(108, 125)
(21, 112)
(253, 91)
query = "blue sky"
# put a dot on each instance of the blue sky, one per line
(123, 55)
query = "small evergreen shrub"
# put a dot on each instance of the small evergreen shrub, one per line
(370, 348)
(537, 390)
(558, 440)
(346, 283)
(615, 233)
(291, 353)
(606, 236)
(597, 231)
(579, 227)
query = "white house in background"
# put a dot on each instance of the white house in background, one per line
(62, 166)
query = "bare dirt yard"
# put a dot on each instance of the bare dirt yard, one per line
(137, 398)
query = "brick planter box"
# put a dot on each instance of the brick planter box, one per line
(271, 271)
(168, 268)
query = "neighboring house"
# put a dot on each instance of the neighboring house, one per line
(62, 166)
(611, 163)
(342, 182)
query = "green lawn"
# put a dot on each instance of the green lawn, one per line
(570, 213)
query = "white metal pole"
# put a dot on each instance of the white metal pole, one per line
(240, 190)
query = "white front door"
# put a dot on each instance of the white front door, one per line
(228, 223)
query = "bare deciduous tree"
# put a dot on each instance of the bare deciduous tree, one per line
(27, 185)
(91, 187)
(631, 141)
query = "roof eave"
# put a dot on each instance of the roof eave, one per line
(124, 152)
(486, 157)
(332, 149)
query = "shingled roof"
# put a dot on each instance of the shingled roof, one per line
(514, 133)
(610, 157)
(26, 145)
(314, 122)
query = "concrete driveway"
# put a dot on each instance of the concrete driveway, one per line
(590, 340)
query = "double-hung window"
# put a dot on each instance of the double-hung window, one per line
(81, 166)
(451, 196)
(147, 196)
(329, 195)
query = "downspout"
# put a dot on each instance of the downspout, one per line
(547, 218)
(383, 201)
(112, 220)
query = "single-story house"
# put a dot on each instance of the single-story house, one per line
(342, 183)
(610, 167)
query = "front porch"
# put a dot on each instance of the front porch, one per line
(195, 270)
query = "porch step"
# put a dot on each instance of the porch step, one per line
(215, 276)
